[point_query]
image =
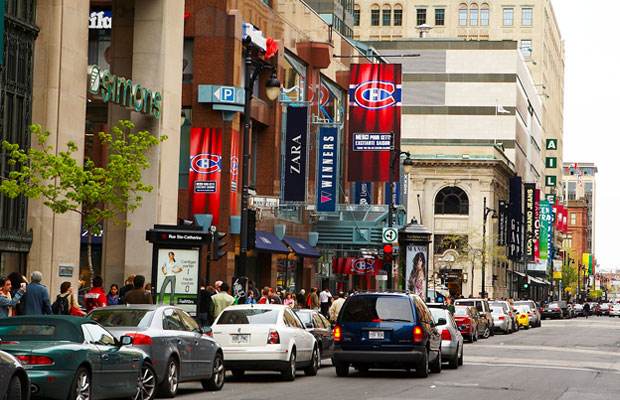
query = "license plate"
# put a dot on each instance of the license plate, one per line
(240, 339)
(376, 335)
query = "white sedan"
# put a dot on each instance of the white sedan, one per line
(265, 337)
(614, 310)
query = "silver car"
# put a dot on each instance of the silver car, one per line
(14, 382)
(501, 320)
(451, 338)
(174, 341)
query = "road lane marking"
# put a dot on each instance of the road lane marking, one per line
(488, 364)
(594, 365)
(547, 348)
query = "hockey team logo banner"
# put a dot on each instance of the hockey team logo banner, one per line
(327, 170)
(530, 194)
(234, 173)
(374, 121)
(295, 155)
(205, 171)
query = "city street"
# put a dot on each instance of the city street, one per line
(563, 360)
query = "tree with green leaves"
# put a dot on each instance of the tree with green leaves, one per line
(64, 184)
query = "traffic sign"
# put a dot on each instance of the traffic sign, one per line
(390, 235)
(225, 94)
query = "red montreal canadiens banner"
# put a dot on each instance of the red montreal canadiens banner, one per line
(234, 173)
(205, 171)
(374, 121)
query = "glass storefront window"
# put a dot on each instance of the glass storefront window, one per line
(294, 82)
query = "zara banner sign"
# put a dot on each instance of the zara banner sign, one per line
(295, 155)
(327, 170)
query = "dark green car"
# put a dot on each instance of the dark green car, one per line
(76, 359)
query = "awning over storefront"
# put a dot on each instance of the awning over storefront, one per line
(268, 242)
(538, 281)
(518, 273)
(301, 247)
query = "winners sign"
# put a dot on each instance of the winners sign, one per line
(374, 121)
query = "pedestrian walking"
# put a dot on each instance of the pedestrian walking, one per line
(222, 300)
(7, 300)
(301, 298)
(586, 310)
(336, 306)
(313, 299)
(288, 301)
(138, 295)
(62, 304)
(218, 286)
(16, 283)
(325, 297)
(127, 288)
(113, 297)
(274, 298)
(37, 297)
(96, 296)
(264, 299)
(204, 313)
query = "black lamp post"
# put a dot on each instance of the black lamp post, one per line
(254, 66)
(487, 211)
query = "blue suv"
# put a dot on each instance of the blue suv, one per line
(386, 330)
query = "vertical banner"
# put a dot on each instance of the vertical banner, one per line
(374, 121)
(545, 226)
(363, 193)
(536, 225)
(515, 218)
(327, 170)
(294, 177)
(502, 223)
(205, 171)
(530, 195)
(416, 270)
(392, 189)
(234, 172)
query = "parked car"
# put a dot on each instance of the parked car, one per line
(484, 309)
(509, 311)
(578, 310)
(524, 316)
(467, 320)
(604, 309)
(320, 328)
(614, 310)
(265, 337)
(555, 310)
(179, 350)
(534, 313)
(386, 330)
(76, 358)
(501, 320)
(451, 338)
(14, 381)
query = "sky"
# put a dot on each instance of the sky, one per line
(591, 107)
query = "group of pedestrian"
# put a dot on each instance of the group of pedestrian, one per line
(20, 297)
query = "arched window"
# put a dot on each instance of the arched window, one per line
(452, 200)
(356, 15)
(473, 15)
(374, 15)
(386, 15)
(463, 15)
(484, 14)
(398, 15)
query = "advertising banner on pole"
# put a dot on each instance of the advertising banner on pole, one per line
(294, 177)
(327, 170)
(536, 224)
(234, 172)
(392, 190)
(363, 193)
(545, 226)
(515, 219)
(374, 121)
(177, 277)
(502, 223)
(205, 171)
(530, 194)
(416, 269)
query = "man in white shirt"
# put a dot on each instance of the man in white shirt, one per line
(334, 310)
(325, 298)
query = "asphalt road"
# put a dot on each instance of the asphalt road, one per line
(564, 360)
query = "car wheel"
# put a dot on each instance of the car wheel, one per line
(289, 373)
(436, 365)
(146, 383)
(81, 387)
(169, 386)
(342, 369)
(454, 361)
(314, 366)
(237, 373)
(461, 357)
(14, 391)
(486, 333)
(216, 381)
(421, 369)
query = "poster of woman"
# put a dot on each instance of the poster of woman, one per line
(416, 270)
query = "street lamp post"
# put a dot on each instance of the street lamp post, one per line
(254, 66)
(486, 213)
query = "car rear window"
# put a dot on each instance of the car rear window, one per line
(460, 311)
(471, 303)
(377, 309)
(554, 305)
(114, 318)
(27, 332)
(305, 317)
(438, 313)
(498, 310)
(249, 317)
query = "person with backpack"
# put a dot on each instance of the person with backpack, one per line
(65, 300)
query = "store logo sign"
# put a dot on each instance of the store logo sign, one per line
(376, 95)
(100, 20)
(206, 163)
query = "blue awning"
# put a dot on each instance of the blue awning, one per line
(301, 247)
(268, 242)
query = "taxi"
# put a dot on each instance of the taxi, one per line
(523, 316)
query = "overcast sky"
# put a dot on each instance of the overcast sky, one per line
(592, 106)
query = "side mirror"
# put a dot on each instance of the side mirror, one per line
(126, 340)
(441, 321)
(308, 325)
(207, 331)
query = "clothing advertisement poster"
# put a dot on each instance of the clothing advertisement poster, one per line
(294, 175)
(327, 170)
(374, 121)
(177, 277)
(416, 270)
(205, 172)
(530, 195)
(545, 227)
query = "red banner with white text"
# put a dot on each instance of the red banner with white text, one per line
(205, 171)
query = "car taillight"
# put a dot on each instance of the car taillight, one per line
(445, 335)
(556, 309)
(35, 360)
(337, 333)
(274, 337)
(140, 339)
(501, 318)
(418, 334)
(467, 321)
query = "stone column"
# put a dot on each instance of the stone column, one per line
(157, 64)
(59, 104)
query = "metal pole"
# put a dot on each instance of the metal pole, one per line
(473, 262)
(245, 172)
(484, 244)
(390, 284)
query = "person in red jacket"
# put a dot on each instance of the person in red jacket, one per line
(96, 296)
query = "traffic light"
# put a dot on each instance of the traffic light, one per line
(388, 249)
(218, 246)
(526, 286)
(251, 228)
